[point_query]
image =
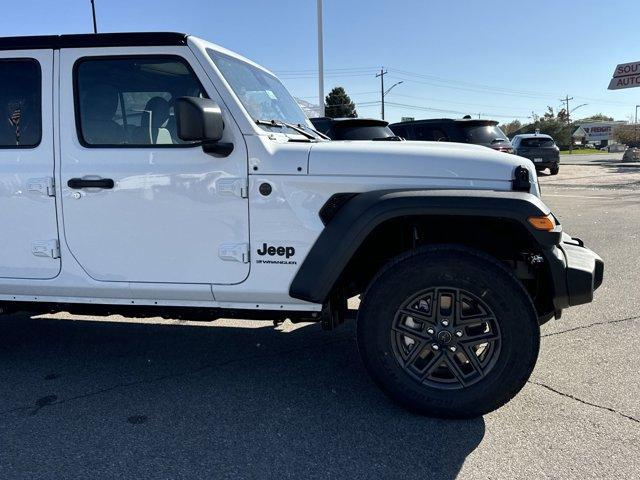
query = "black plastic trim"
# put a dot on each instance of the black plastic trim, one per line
(333, 205)
(350, 226)
(130, 39)
(521, 179)
(577, 272)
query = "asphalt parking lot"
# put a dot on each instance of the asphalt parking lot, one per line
(242, 399)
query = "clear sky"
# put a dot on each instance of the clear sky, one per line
(500, 58)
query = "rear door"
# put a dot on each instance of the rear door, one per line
(28, 228)
(139, 204)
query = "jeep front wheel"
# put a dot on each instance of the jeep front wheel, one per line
(448, 332)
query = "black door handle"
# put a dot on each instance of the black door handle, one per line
(78, 183)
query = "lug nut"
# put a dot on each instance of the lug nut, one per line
(430, 331)
(458, 333)
(445, 323)
(453, 349)
(435, 347)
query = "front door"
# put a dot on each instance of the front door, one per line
(28, 226)
(139, 204)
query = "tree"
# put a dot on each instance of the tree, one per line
(553, 125)
(511, 127)
(627, 134)
(338, 104)
(598, 117)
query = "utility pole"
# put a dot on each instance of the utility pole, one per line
(635, 125)
(382, 73)
(565, 100)
(320, 62)
(93, 12)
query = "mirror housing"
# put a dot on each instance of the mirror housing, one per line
(200, 120)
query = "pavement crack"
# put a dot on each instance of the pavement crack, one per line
(185, 373)
(584, 402)
(595, 324)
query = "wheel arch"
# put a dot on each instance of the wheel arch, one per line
(366, 230)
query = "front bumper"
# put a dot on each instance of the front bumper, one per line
(577, 272)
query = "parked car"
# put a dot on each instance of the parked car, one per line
(541, 149)
(464, 130)
(158, 174)
(354, 128)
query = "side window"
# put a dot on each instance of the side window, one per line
(130, 100)
(20, 103)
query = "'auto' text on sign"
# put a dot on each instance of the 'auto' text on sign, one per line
(629, 81)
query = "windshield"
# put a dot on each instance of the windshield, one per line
(484, 134)
(537, 142)
(261, 94)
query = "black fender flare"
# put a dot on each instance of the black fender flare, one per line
(362, 213)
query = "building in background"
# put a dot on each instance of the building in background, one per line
(595, 133)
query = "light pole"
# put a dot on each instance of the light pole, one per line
(569, 122)
(320, 61)
(384, 92)
(635, 126)
(93, 12)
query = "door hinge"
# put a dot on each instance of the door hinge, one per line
(46, 248)
(45, 186)
(233, 186)
(234, 252)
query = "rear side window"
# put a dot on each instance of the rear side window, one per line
(20, 103)
(429, 133)
(129, 101)
(484, 134)
(537, 142)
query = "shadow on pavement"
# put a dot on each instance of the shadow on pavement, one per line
(81, 399)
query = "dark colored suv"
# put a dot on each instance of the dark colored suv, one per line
(354, 128)
(465, 130)
(540, 149)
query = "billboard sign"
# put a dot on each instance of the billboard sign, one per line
(599, 131)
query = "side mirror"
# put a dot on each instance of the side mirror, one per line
(200, 120)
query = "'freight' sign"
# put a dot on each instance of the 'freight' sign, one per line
(625, 75)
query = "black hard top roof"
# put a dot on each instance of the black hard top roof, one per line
(133, 39)
(464, 121)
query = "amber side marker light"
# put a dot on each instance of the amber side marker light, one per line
(546, 223)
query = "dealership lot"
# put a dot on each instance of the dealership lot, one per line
(236, 399)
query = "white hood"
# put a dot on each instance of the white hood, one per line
(460, 163)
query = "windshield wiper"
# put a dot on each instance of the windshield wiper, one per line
(322, 135)
(279, 124)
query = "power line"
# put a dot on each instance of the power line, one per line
(442, 110)
(315, 71)
(494, 89)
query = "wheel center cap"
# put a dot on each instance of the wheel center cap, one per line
(445, 337)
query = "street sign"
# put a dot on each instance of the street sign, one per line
(630, 81)
(625, 69)
(625, 75)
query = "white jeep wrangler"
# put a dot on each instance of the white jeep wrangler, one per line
(159, 174)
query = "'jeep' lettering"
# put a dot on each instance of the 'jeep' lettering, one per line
(270, 250)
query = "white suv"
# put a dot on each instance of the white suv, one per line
(160, 174)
